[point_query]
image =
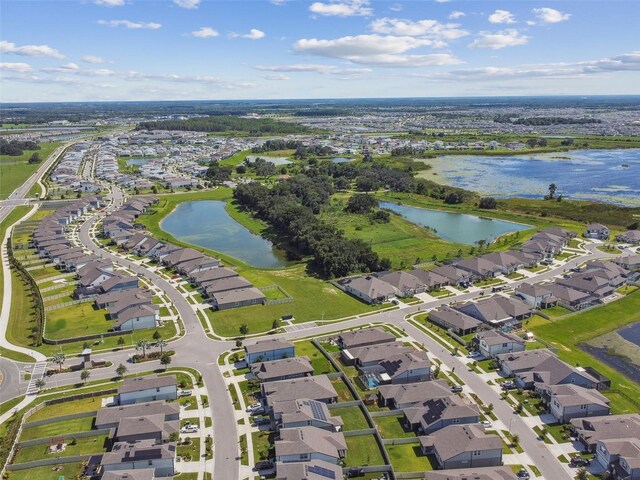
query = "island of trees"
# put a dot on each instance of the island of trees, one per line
(226, 123)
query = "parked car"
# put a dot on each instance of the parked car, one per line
(474, 354)
(261, 421)
(456, 389)
(189, 429)
(508, 385)
(579, 462)
(485, 423)
(264, 465)
(185, 393)
(523, 474)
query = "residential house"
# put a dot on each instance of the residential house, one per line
(406, 283)
(401, 396)
(140, 474)
(109, 417)
(631, 236)
(364, 337)
(479, 268)
(146, 427)
(628, 261)
(309, 443)
(497, 310)
(449, 318)
(620, 456)
(430, 279)
(405, 367)
(482, 473)
(454, 275)
(142, 454)
(304, 412)
(371, 355)
(589, 431)
(175, 258)
(196, 265)
(571, 298)
(268, 350)
(494, 342)
(213, 274)
(437, 413)
(317, 387)
(137, 317)
(568, 401)
(597, 231)
(225, 285)
(282, 369)
(241, 297)
(536, 295)
(147, 389)
(463, 446)
(311, 470)
(370, 289)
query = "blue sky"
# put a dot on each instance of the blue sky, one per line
(95, 50)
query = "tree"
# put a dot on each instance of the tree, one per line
(84, 375)
(367, 183)
(341, 183)
(488, 203)
(161, 343)
(244, 329)
(552, 190)
(121, 370)
(361, 203)
(238, 342)
(515, 440)
(59, 358)
(35, 158)
(542, 142)
(156, 335)
(582, 474)
(121, 341)
(165, 360)
(241, 169)
(532, 142)
(143, 345)
(40, 383)
(276, 324)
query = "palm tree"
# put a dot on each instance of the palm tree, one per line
(161, 343)
(143, 345)
(40, 383)
(59, 358)
(165, 360)
(84, 375)
(121, 370)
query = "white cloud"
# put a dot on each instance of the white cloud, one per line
(93, 59)
(395, 7)
(374, 50)
(312, 68)
(498, 40)
(205, 32)
(109, 3)
(16, 67)
(278, 3)
(70, 66)
(502, 16)
(30, 50)
(443, 1)
(550, 15)
(254, 34)
(433, 32)
(130, 25)
(342, 8)
(275, 76)
(456, 14)
(187, 3)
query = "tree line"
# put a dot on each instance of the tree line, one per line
(16, 147)
(226, 123)
(291, 206)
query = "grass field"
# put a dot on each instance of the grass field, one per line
(15, 170)
(392, 427)
(569, 332)
(403, 242)
(318, 361)
(57, 428)
(49, 472)
(363, 450)
(66, 408)
(76, 320)
(409, 458)
(263, 445)
(352, 417)
(83, 446)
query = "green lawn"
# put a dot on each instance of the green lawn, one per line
(15, 170)
(318, 361)
(191, 450)
(344, 394)
(352, 417)
(263, 445)
(51, 472)
(84, 446)
(58, 428)
(67, 408)
(76, 320)
(409, 458)
(556, 312)
(392, 427)
(403, 242)
(363, 450)
(568, 333)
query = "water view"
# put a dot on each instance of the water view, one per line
(604, 175)
(277, 161)
(207, 224)
(342, 160)
(456, 227)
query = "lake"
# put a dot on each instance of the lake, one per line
(456, 227)
(137, 162)
(605, 175)
(342, 160)
(207, 224)
(277, 161)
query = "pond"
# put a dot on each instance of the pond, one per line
(277, 161)
(137, 162)
(605, 175)
(207, 224)
(456, 227)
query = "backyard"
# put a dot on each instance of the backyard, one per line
(363, 450)
(409, 458)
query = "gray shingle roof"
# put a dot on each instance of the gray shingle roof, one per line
(365, 336)
(144, 383)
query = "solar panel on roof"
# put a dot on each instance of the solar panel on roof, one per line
(323, 472)
(317, 411)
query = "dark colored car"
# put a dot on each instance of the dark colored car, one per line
(580, 462)
(264, 465)
(508, 385)
(523, 474)
(456, 389)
